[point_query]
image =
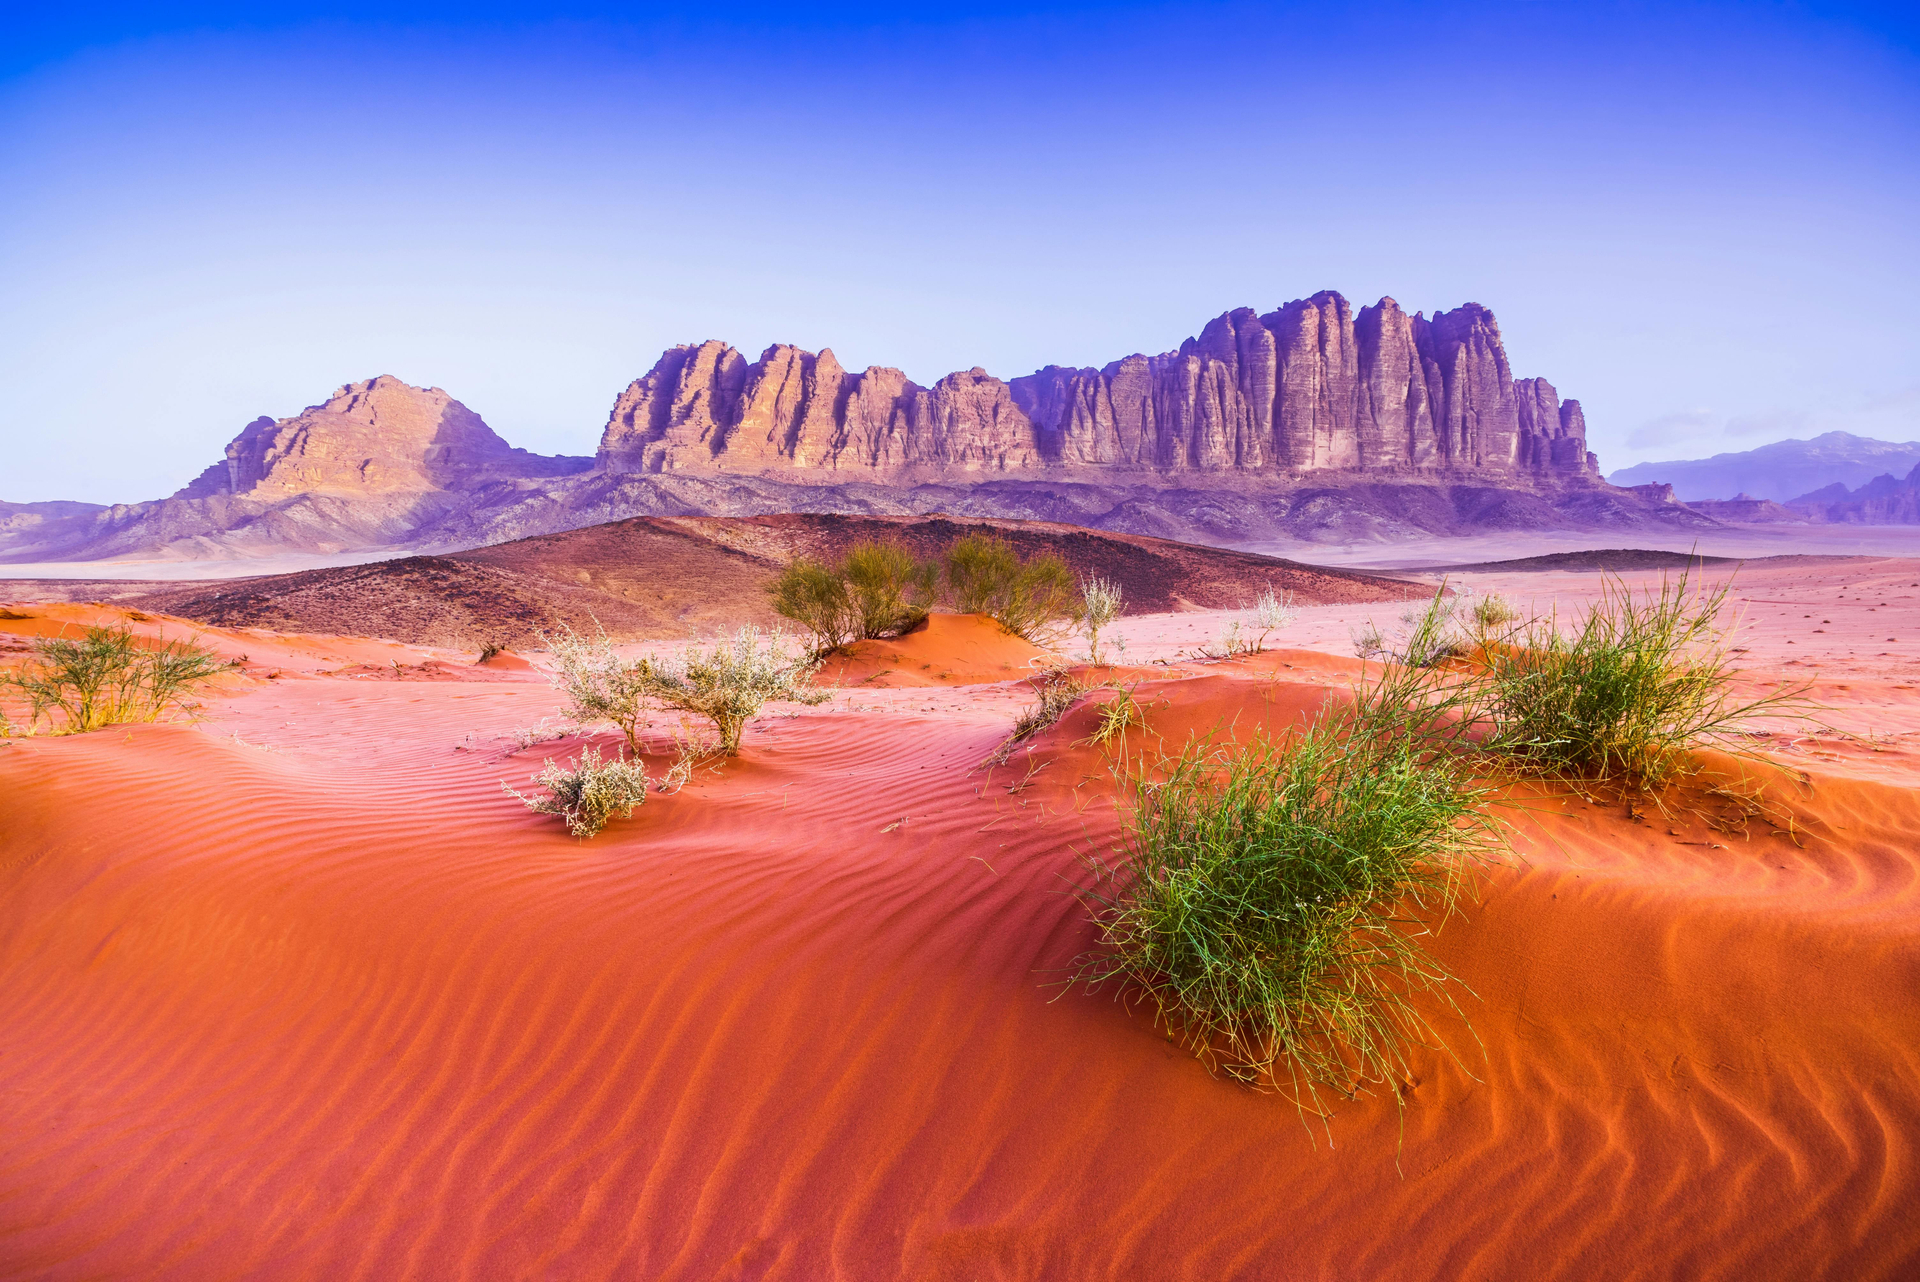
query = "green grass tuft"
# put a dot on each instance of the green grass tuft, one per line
(109, 677)
(1624, 696)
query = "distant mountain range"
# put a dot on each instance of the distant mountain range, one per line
(1311, 421)
(1782, 471)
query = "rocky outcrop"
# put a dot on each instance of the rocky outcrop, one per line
(1309, 388)
(377, 437)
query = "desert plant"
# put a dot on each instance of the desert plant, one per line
(1056, 690)
(1493, 612)
(729, 681)
(1115, 717)
(1101, 604)
(1030, 599)
(490, 650)
(601, 685)
(1623, 697)
(889, 590)
(588, 792)
(980, 570)
(815, 596)
(1271, 895)
(1271, 613)
(109, 677)
(1368, 640)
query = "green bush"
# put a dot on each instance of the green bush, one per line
(877, 590)
(816, 596)
(1030, 599)
(108, 677)
(890, 592)
(588, 793)
(1638, 682)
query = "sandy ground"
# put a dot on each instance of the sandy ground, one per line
(297, 992)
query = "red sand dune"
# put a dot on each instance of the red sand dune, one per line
(298, 993)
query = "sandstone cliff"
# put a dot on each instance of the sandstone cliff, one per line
(1309, 388)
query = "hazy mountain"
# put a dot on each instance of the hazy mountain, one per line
(1781, 471)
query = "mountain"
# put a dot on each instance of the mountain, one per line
(1885, 500)
(1779, 471)
(375, 465)
(1311, 421)
(1309, 388)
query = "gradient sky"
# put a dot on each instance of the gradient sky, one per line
(1703, 220)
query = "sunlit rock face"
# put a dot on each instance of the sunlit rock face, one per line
(1312, 387)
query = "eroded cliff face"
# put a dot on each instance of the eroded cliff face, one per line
(1312, 387)
(381, 436)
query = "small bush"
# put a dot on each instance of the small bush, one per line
(877, 590)
(600, 685)
(889, 590)
(1270, 895)
(1640, 682)
(1101, 604)
(816, 596)
(1368, 640)
(108, 677)
(1270, 614)
(728, 682)
(589, 792)
(1030, 599)
(1116, 717)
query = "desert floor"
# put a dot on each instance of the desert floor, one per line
(295, 991)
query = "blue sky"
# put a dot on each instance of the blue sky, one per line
(1703, 220)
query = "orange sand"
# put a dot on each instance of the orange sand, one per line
(298, 993)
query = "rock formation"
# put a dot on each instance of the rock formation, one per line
(377, 437)
(1885, 500)
(1309, 388)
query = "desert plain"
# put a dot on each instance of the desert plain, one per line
(294, 990)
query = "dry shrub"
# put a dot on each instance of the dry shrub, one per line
(588, 792)
(729, 681)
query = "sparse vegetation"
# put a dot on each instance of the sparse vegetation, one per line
(588, 792)
(601, 685)
(1030, 599)
(1621, 699)
(491, 650)
(1368, 640)
(109, 677)
(729, 681)
(1271, 612)
(1101, 604)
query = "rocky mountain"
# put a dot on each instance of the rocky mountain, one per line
(1780, 471)
(1310, 421)
(1309, 388)
(1885, 500)
(377, 464)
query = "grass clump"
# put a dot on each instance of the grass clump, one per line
(110, 677)
(1622, 698)
(1271, 897)
(1492, 612)
(588, 792)
(728, 682)
(1030, 599)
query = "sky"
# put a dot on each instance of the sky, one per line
(1702, 220)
